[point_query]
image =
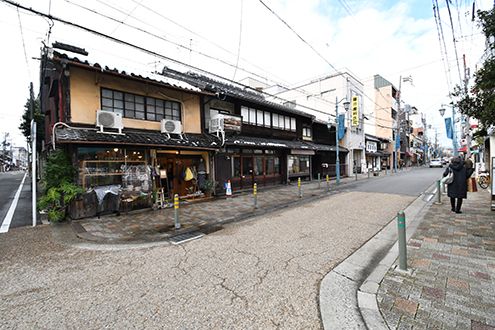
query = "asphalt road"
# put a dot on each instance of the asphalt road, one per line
(410, 182)
(259, 274)
(9, 184)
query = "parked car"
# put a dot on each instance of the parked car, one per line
(436, 163)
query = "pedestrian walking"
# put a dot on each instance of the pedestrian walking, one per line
(457, 189)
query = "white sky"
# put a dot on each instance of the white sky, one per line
(383, 37)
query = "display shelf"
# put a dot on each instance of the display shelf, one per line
(105, 172)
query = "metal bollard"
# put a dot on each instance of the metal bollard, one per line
(255, 195)
(299, 187)
(368, 172)
(401, 226)
(176, 211)
(328, 183)
(439, 192)
(355, 173)
(319, 180)
(386, 170)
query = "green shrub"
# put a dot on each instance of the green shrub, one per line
(56, 200)
(58, 169)
(59, 191)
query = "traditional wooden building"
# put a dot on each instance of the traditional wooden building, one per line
(135, 133)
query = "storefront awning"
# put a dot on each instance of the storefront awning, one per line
(136, 138)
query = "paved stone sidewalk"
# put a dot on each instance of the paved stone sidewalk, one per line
(148, 225)
(452, 283)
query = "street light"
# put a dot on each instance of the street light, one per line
(454, 139)
(346, 108)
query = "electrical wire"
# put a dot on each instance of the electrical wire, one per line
(126, 16)
(214, 58)
(454, 41)
(151, 10)
(24, 45)
(298, 35)
(240, 40)
(443, 50)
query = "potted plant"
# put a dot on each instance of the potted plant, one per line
(209, 187)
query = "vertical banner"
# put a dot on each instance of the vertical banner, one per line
(397, 141)
(448, 127)
(355, 111)
(341, 126)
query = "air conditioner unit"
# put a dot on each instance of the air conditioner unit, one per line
(107, 119)
(216, 125)
(171, 126)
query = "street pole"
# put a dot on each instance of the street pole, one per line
(337, 162)
(454, 138)
(397, 131)
(33, 157)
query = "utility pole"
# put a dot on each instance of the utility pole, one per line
(397, 129)
(337, 162)
(33, 150)
(423, 120)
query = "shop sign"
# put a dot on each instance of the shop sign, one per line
(232, 123)
(371, 146)
(355, 111)
(301, 152)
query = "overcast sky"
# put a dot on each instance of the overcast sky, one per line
(390, 38)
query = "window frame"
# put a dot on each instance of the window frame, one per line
(147, 106)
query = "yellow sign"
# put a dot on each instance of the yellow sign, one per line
(355, 111)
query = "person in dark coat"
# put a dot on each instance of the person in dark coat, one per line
(457, 190)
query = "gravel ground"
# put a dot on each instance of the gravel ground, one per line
(258, 274)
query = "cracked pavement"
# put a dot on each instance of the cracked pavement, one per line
(263, 273)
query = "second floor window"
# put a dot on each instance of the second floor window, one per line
(307, 132)
(139, 107)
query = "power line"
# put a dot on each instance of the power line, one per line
(23, 44)
(239, 45)
(166, 40)
(126, 16)
(204, 38)
(298, 35)
(443, 50)
(150, 52)
(454, 41)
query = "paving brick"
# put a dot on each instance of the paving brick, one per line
(453, 279)
(433, 293)
(406, 306)
(459, 284)
(475, 325)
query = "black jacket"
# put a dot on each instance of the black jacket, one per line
(458, 187)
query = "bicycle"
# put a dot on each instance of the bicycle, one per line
(484, 180)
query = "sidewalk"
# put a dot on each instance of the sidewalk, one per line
(148, 225)
(451, 283)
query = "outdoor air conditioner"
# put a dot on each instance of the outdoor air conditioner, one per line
(171, 126)
(107, 119)
(216, 125)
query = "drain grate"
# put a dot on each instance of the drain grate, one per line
(186, 237)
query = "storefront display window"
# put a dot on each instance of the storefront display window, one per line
(114, 166)
(298, 165)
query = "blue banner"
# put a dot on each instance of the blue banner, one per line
(448, 127)
(341, 126)
(397, 141)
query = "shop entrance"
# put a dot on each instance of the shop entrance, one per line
(262, 169)
(181, 175)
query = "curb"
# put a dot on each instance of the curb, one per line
(348, 292)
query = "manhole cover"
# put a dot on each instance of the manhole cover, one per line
(186, 237)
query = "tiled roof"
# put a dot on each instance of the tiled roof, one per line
(79, 135)
(132, 73)
(238, 91)
(257, 142)
(187, 81)
(144, 138)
